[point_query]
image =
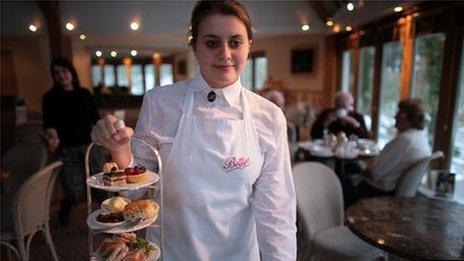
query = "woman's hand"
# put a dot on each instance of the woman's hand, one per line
(111, 133)
(53, 140)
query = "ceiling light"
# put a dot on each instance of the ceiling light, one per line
(98, 53)
(415, 14)
(134, 26)
(32, 28)
(305, 27)
(329, 23)
(350, 6)
(398, 9)
(70, 26)
(336, 28)
(113, 53)
(134, 53)
(82, 37)
(348, 28)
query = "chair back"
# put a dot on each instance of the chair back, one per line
(30, 132)
(32, 202)
(411, 179)
(319, 196)
(22, 160)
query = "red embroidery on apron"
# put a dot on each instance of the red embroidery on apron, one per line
(233, 163)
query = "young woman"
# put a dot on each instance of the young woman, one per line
(68, 115)
(228, 183)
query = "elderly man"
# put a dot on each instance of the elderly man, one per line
(408, 147)
(342, 118)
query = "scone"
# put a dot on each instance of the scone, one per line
(117, 204)
(140, 209)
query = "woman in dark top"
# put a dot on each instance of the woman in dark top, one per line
(69, 112)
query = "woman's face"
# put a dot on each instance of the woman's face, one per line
(222, 49)
(62, 76)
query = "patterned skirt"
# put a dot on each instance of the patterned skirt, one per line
(72, 173)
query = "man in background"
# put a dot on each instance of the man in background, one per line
(342, 118)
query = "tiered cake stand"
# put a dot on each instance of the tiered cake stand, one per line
(152, 191)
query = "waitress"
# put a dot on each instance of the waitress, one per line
(229, 191)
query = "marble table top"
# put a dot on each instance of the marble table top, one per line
(415, 228)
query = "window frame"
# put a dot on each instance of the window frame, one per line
(143, 61)
(405, 27)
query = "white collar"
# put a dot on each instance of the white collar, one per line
(230, 93)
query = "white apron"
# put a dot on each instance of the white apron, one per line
(208, 180)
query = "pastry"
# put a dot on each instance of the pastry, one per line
(136, 174)
(140, 209)
(110, 167)
(117, 178)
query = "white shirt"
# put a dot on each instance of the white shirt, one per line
(274, 199)
(399, 154)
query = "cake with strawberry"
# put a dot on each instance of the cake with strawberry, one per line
(136, 174)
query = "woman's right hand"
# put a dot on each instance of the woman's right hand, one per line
(111, 133)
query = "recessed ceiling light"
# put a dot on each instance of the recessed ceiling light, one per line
(82, 37)
(32, 28)
(305, 27)
(113, 53)
(415, 14)
(329, 23)
(350, 6)
(134, 52)
(348, 28)
(98, 53)
(398, 9)
(336, 28)
(70, 26)
(134, 26)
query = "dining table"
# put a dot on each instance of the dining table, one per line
(416, 228)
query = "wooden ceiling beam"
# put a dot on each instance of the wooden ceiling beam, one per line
(59, 43)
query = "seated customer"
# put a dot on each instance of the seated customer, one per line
(408, 147)
(342, 118)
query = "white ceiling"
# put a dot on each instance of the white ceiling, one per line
(164, 24)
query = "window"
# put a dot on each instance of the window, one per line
(389, 91)
(457, 140)
(247, 75)
(140, 75)
(347, 76)
(255, 74)
(110, 79)
(428, 58)
(260, 66)
(166, 75)
(96, 75)
(150, 77)
(366, 84)
(137, 80)
(121, 72)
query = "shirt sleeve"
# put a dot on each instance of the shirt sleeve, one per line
(389, 159)
(274, 201)
(93, 109)
(47, 112)
(142, 154)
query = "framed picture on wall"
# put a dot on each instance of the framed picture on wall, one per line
(302, 60)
